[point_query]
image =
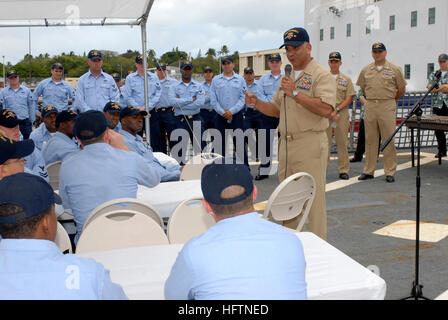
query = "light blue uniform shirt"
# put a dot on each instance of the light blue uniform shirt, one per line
(134, 90)
(40, 136)
(181, 98)
(256, 89)
(240, 258)
(93, 93)
(58, 148)
(36, 164)
(54, 94)
(206, 89)
(101, 173)
(136, 144)
(228, 93)
(164, 101)
(20, 101)
(33, 269)
(269, 85)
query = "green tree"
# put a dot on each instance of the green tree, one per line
(173, 57)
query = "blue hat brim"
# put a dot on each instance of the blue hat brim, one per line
(22, 149)
(292, 43)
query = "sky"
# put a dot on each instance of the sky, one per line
(190, 25)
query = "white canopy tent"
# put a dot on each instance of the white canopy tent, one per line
(70, 13)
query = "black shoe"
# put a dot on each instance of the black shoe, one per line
(343, 176)
(261, 176)
(390, 179)
(440, 155)
(365, 176)
(355, 159)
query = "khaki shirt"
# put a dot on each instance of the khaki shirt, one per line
(344, 86)
(382, 84)
(315, 82)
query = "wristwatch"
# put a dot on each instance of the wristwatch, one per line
(295, 93)
(337, 109)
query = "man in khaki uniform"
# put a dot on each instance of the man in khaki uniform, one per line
(310, 100)
(339, 119)
(383, 84)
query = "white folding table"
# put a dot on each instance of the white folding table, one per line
(330, 274)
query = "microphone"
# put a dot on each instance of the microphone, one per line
(288, 69)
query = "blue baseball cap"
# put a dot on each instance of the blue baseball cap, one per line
(131, 111)
(10, 149)
(275, 57)
(112, 107)
(90, 124)
(295, 37)
(116, 76)
(48, 110)
(95, 55)
(223, 173)
(28, 191)
(378, 47)
(12, 73)
(334, 56)
(139, 58)
(64, 116)
(185, 64)
(57, 65)
(226, 59)
(8, 119)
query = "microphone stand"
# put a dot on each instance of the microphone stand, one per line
(416, 292)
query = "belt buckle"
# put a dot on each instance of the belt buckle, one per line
(163, 109)
(190, 117)
(376, 101)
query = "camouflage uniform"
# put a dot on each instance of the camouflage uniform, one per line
(439, 103)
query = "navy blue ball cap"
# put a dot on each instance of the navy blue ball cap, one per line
(208, 68)
(248, 70)
(275, 57)
(226, 59)
(95, 55)
(185, 64)
(139, 58)
(116, 76)
(112, 107)
(8, 119)
(12, 73)
(64, 116)
(295, 37)
(334, 56)
(28, 191)
(223, 173)
(90, 124)
(378, 47)
(443, 57)
(161, 66)
(10, 149)
(131, 111)
(48, 110)
(57, 65)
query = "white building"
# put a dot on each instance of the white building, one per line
(258, 61)
(415, 33)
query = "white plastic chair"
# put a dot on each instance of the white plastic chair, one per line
(193, 168)
(188, 220)
(292, 197)
(62, 239)
(53, 173)
(133, 229)
(134, 204)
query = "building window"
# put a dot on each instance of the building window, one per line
(369, 25)
(391, 23)
(266, 62)
(250, 62)
(413, 18)
(321, 34)
(349, 29)
(407, 71)
(430, 69)
(431, 15)
(331, 32)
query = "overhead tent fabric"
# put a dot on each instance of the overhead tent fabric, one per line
(60, 13)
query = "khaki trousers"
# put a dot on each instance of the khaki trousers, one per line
(307, 153)
(341, 137)
(380, 118)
